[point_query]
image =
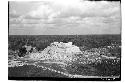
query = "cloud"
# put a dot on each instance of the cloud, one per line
(73, 16)
(44, 11)
(76, 8)
(91, 9)
(13, 14)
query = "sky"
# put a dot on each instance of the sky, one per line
(64, 17)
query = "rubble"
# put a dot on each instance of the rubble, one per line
(63, 53)
(58, 51)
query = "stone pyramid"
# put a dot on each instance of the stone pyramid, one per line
(58, 51)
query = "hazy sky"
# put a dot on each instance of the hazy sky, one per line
(62, 17)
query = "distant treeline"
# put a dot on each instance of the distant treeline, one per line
(42, 41)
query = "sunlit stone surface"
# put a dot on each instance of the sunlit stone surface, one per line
(57, 51)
